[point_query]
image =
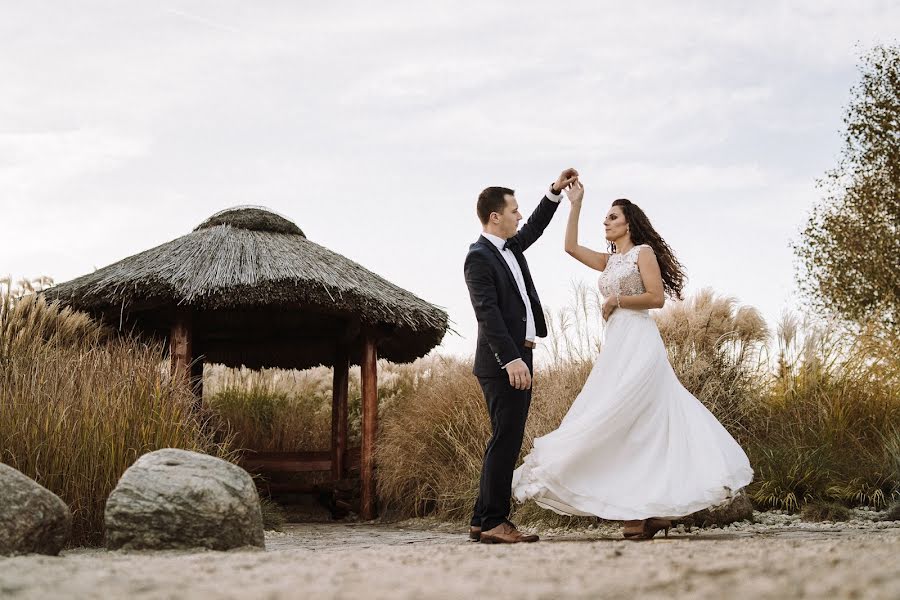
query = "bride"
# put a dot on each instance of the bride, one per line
(635, 446)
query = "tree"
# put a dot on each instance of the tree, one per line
(849, 250)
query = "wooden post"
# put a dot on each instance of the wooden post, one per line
(369, 426)
(180, 344)
(340, 385)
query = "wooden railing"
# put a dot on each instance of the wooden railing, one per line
(276, 468)
(297, 462)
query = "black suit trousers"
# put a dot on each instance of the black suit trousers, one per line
(508, 409)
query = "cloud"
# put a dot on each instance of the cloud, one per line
(685, 177)
(33, 164)
(375, 125)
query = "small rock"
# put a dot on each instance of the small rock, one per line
(174, 498)
(32, 518)
(738, 508)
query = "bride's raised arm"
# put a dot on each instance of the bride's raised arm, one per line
(592, 258)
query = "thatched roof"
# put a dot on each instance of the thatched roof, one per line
(250, 263)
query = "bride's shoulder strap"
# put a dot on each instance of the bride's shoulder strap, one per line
(635, 256)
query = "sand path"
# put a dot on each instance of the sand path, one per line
(420, 560)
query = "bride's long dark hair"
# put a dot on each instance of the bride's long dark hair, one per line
(642, 232)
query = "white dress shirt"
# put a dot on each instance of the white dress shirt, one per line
(510, 258)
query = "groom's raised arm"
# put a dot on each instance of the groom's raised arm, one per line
(536, 224)
(540, 218)
(483, 292)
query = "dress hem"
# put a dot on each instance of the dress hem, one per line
(532, 482)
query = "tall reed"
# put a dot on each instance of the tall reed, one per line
(276, 410)
(719, 351)
(818, 417)
(288, 410)
(78, 406)
(828, 429)
(817, 410)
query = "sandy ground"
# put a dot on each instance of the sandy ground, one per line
(778, 558)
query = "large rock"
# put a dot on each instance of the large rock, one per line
(180, 499)
(738, 508)
(32, 518)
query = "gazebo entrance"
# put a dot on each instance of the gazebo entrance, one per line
(341, 460)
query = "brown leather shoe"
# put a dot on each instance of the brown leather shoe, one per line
(474, 533)
(505, 533)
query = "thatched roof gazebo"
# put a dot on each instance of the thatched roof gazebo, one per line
(246, 287)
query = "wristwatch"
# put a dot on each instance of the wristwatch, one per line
(555, 193)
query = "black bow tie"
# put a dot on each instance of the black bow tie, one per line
(510, 244)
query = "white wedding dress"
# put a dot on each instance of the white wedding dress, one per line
(635, 443)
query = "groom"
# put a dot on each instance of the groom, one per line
(509, 317)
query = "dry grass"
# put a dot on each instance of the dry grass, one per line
(430, 445)
(273, 515)
(821, 428)
(818, 414)
(289, 410)
(828, 429)
(817, 511)
(273, 410)
(718, 350)
(77, 409)
(815, 406)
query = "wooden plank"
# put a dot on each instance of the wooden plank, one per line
(286, 462)
(180, 343)
(286, 465)
(351, 459)
(283, 460)
(314, 454)
(340, 391)
(276, 487)
(369, 427)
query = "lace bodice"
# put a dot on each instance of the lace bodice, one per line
(621, 274)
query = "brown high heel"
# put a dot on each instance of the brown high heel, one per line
(632, 535)
(654, 524)
(649, 528)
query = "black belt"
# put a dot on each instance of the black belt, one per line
(529, 344)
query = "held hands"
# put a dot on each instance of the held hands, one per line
(564, 180)
(519, 375)
(575, 192)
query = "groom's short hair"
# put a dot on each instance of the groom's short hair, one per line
(492, 199)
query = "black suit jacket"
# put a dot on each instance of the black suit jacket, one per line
(496, 299)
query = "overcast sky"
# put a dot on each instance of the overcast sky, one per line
(374, 126)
